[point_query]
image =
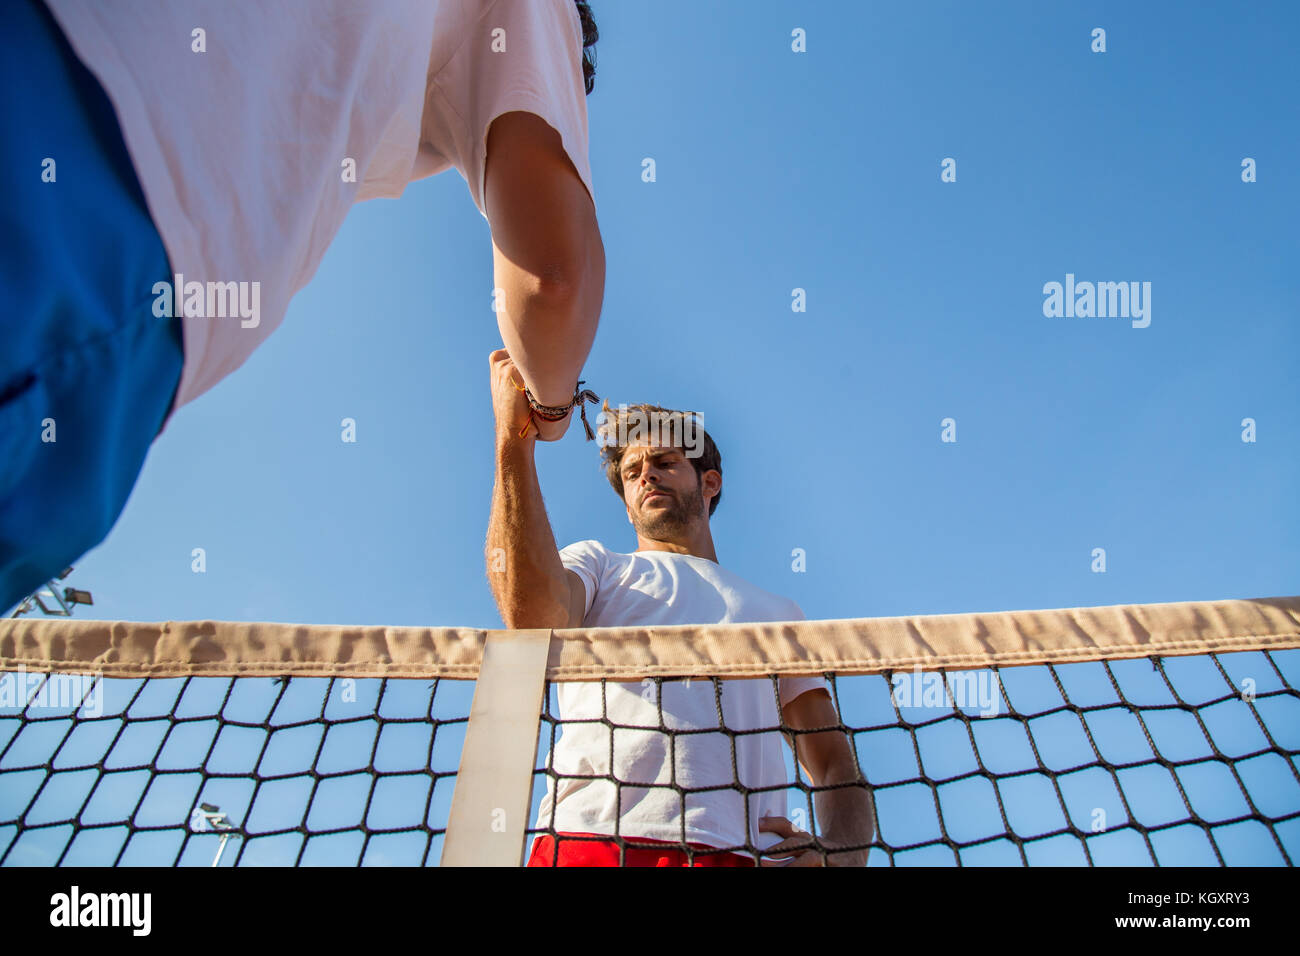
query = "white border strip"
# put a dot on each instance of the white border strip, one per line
(490, 803)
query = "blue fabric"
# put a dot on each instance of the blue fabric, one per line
(83, 359)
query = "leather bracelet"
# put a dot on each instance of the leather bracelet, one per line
(549, 413)
(555, 413)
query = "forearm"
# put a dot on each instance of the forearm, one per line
(844, 814)
(548, 323)
(524, 567)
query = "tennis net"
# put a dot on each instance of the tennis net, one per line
(1162, 734)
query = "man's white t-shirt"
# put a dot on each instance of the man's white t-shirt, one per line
(659, 587)
(254, 125)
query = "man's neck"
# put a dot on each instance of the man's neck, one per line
(700, 548)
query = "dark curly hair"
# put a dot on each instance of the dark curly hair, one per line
(618, 420)
(589, 37)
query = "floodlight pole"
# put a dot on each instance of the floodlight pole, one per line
(214, 818)
(221, 847)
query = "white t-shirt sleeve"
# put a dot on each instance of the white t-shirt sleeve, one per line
(792, 687)
(523, 55)
(587, 560)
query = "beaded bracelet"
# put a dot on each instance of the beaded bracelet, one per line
(554, 413)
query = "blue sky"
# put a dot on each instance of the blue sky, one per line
(818, 171)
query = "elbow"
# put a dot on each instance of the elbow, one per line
(571, 281)
(833, 765)
(558, 292)
(526, 596)
(531, 615)
(567, 287)
(529, 621)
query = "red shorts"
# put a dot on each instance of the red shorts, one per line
(602, 851)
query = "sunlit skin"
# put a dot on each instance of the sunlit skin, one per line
(667, 500)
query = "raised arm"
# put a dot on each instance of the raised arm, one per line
(530, 584)
(548, 257)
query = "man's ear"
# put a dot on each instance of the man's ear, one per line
(711, 483)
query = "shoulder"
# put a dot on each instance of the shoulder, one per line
(590, 554)
(775, 607)
(558, 16)
(518, 56)
(784, 609)
(587, 547)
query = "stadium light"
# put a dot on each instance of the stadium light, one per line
(211, 814)
(60, 604)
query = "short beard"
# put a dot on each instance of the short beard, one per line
(664, 524)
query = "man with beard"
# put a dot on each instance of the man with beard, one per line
(662, 793)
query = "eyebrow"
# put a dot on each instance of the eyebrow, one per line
(628, 462)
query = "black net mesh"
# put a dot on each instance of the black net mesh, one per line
(1173, 761)
(306, 771)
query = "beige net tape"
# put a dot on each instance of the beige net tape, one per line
(860, 646)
